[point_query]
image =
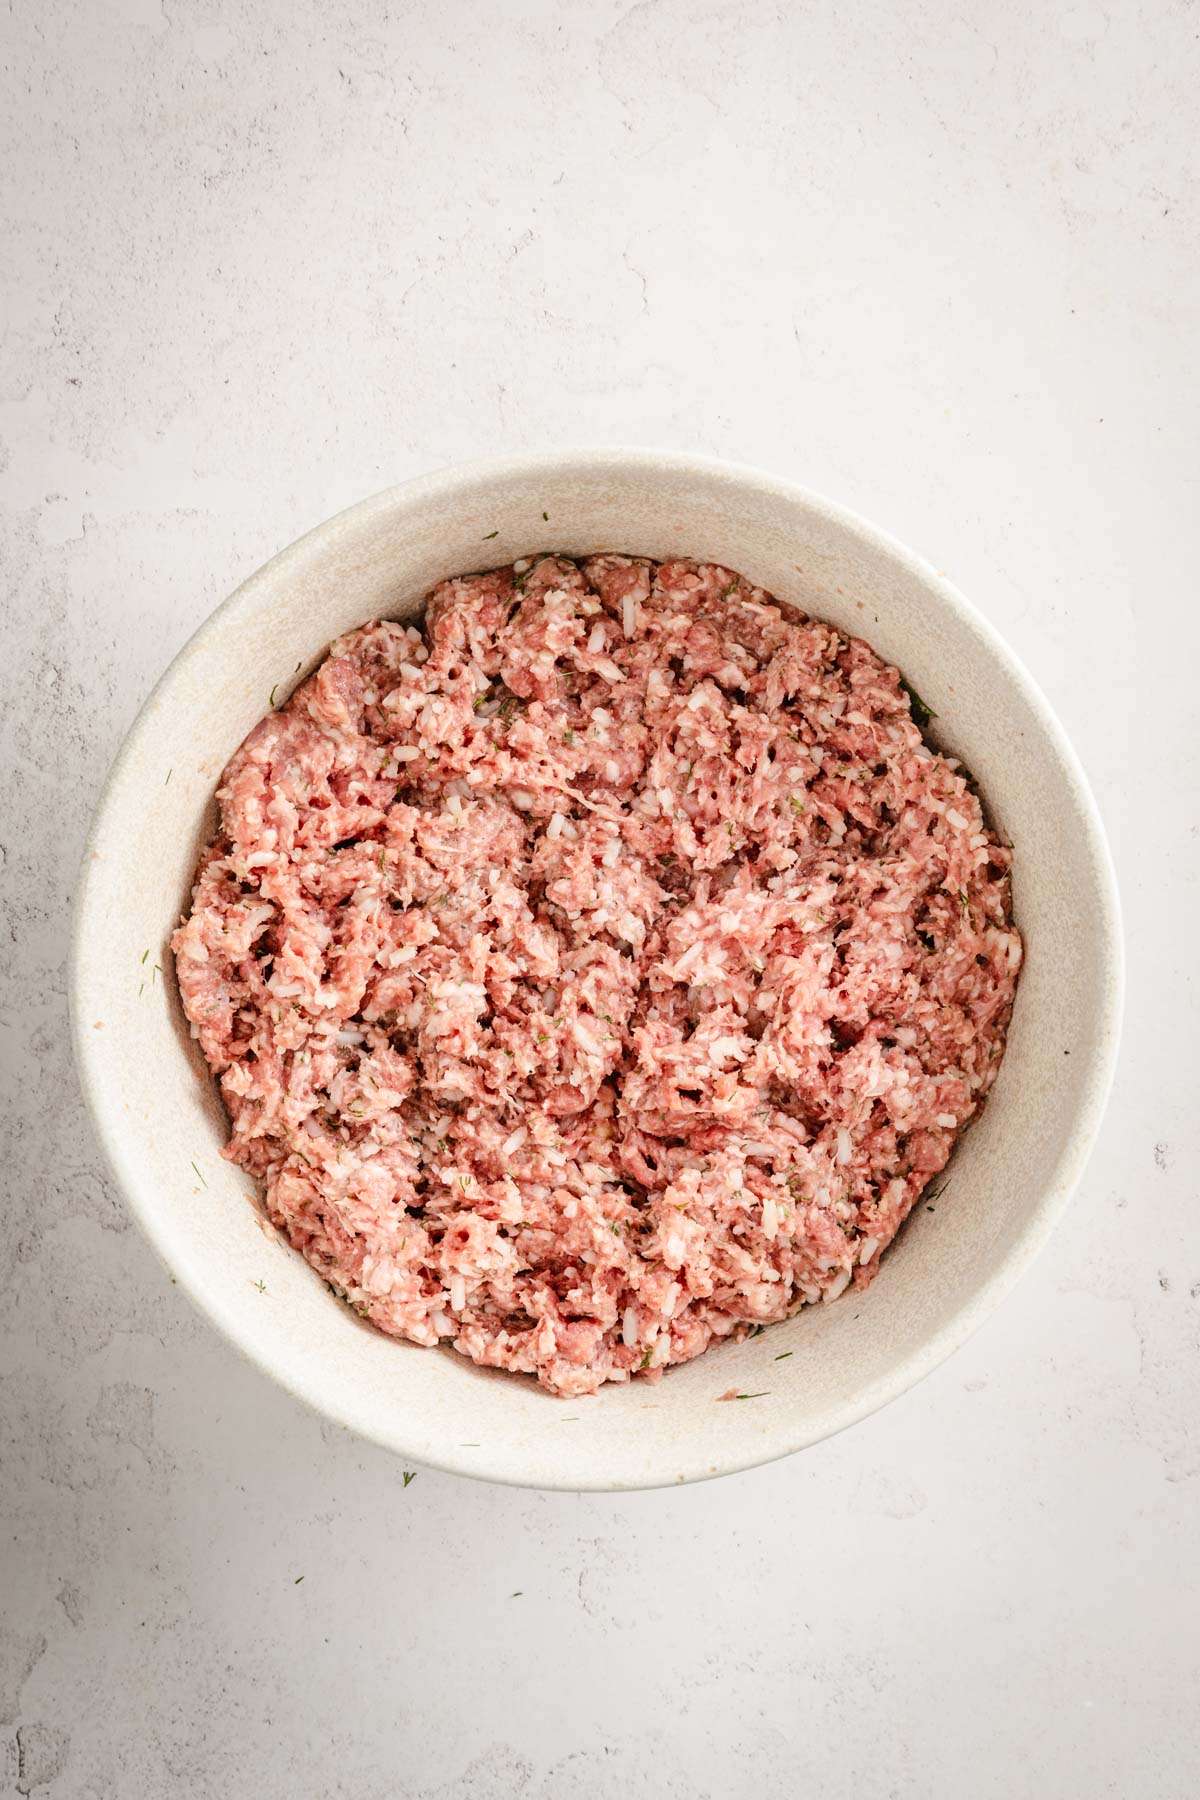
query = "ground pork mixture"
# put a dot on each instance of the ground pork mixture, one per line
(600, 971)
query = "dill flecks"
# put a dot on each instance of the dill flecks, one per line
(409, 1475)
(920, 712)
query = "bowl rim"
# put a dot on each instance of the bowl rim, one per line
(440, 485)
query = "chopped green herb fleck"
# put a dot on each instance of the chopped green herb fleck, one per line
(796, 804)
(645, 1362)
(761, 1394)
(784, 1354)
(546, 517)
(297, 1581)
(199, 1176)
(568, 737)
(517, 1594)
(271, 696)
(409, 1475)
(145, 954)
(170, 772)
(260, 1285)
(489, 535)
(920, 712)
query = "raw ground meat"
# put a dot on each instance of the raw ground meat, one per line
(600, 972)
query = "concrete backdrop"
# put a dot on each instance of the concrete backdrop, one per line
(938, 260)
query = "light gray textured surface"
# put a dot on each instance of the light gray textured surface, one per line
(940, 263)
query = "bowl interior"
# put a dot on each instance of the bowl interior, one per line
(161, 1123)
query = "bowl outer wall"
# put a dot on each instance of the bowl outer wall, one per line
(156, 1111)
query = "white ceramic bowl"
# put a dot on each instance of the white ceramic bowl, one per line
(159, 1120)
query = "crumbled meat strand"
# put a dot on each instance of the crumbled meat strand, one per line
(600, 972)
